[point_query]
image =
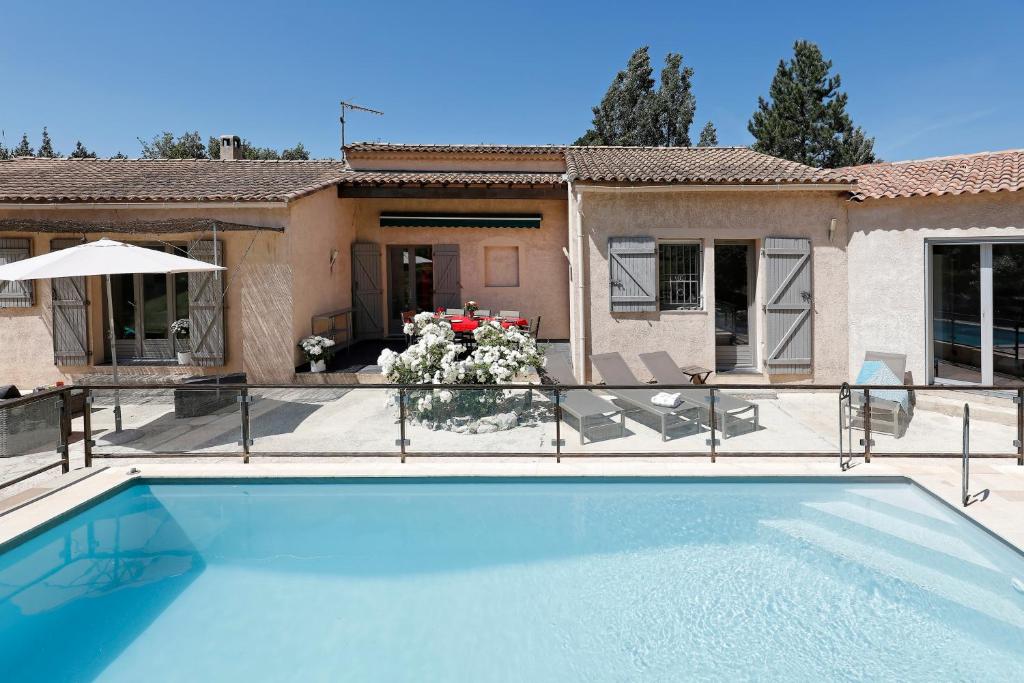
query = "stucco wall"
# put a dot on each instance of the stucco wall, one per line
(253, 282)
(318, 224)
(887, 264)
(747, 215)
(543, 268)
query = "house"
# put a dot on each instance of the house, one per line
(761, 268)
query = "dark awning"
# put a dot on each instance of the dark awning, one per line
(460, 220)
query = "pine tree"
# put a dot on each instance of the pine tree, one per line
(806, 120)
(676, 103)
(120, 155)
(23, 149)
(80, 152)
(46, 147)
(4, 152)
(708, 136)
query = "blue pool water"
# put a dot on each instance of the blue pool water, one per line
(551, 580)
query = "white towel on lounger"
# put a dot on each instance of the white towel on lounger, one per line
(665, 400)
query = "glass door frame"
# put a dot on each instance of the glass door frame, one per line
(393, 324)
(986, 314)
(141, 348)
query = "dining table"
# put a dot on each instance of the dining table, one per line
(465, 323)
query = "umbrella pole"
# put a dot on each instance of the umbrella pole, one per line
(113, 357)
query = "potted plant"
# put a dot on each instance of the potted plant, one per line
(471, 308)
(180, 330)
(317, 350)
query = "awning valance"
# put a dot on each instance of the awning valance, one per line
(460, 220)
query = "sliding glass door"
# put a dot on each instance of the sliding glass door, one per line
(977, 301)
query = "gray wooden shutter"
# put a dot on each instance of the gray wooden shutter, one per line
(447, 283)
(15, 294)
(632, 274)
(788, 305)
(367, 291)
(70, 314)
(206, 305)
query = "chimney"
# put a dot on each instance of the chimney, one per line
(230, 147)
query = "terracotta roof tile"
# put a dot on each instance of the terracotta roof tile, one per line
(360, 147)
(164, 180)
(962, 174)
(685, 165)
(451, 178)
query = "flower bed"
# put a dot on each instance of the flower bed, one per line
(436, 358)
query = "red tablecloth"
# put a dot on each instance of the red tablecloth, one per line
(465, 324)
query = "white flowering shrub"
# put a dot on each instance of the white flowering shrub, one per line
(316, 348)
(436, 358)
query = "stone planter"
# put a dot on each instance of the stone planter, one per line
(318, 365)
(184, 358)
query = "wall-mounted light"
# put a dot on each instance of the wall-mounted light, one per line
(334, 257)
(832, 228)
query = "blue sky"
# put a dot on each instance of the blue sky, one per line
(924, 78)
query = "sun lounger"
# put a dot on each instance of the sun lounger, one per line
(581, 403)
(615, 371)
(728, 409)
(891, 409)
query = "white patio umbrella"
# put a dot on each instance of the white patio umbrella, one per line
(103, 257)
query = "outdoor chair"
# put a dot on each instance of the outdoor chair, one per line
(582, 404)
(508, 314)
(728, 409)
(615, 371)
(535, 327)
(891, 409)
(455, 311)
(483, 313)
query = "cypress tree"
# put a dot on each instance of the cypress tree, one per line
(676, 103)
(708, 136)
(628, 112)
(23, 149)
(46, 147)
(805, 119)
(4, 152)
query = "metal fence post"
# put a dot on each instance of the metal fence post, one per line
(1019, 443)
(243, 410)
(87, 426)
(866, 441)
(711, 422)
(64, 430)
(558, 426)
(402, 441)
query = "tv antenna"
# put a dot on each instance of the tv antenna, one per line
(354, 107)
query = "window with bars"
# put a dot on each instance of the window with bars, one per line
(679, 276)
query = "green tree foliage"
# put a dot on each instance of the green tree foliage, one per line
(675, 102)
(4, 152)
(632, 112)
(23, 149)
(81, 152)
(805, 119)
(188, 145)
(120, 155)
(296, 153)
(708, 136)
(46, 147)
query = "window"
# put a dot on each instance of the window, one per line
(501, 266)
(679, 276)
(15, 294)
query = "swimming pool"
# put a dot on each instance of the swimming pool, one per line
(523, 579)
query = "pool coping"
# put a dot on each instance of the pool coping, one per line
(27, 520)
